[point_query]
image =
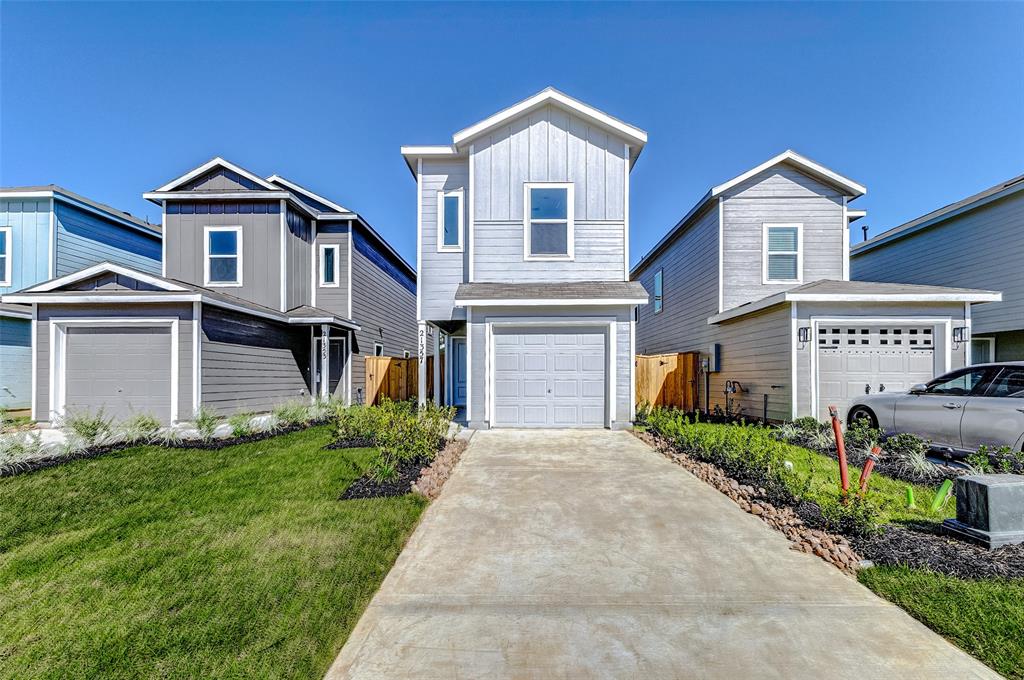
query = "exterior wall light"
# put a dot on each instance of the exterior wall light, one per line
(803, 334)
(960, 334)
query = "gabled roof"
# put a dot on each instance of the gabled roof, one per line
(299, 189)
(210, 165)
(163, 290)
(548, 96)
(935, 217)
(803, 163)
(60, 193)
(826, 290)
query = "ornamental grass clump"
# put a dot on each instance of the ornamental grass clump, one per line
(91, 428)
(141, 428)
(19, 449)
(292, 413)
(206, 422)
(241, 424)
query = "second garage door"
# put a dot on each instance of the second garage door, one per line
(549, 377)
(854, 360)
(124, 371)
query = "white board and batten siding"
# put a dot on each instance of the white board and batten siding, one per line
(549, 145)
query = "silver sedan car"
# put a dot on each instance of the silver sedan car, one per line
(958, 412)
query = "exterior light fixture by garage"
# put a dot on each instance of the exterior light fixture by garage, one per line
(803, 334)
(960, 334)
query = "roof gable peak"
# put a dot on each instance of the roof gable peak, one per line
(804, 164)
(212, 164)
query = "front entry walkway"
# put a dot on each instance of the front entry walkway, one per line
(583, 554)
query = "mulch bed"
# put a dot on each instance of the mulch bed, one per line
(925, 546)
(401, 484)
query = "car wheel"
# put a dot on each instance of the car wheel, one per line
(862, 414)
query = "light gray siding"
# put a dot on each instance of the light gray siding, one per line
(333, 299)
(261, 251)
(690, 291)
(555, 146)
(15, 362)
(981, 248)
(779, 195)
(384, 308)
(859, 312)
(478, 359)
(250, 364)
(441, 272)
(183, 312)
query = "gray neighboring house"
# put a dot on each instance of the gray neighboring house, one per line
(976, 242)
(268, 293)
(523, 233)
(755, 277)
(48, 231)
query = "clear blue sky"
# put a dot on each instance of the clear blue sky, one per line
(922, 103)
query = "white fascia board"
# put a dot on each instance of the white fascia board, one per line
(27, 194)
(426, 151)
(209, 165)
(299, 320)
(17, 313)
(33, 298)
(764, 303)
(277, 179)
(559, 302)
(337, 217)
(547, 96)
(274, 194)
(807, 164)
(103, 268)
(853, 215)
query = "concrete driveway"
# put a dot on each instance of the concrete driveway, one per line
(583, 554)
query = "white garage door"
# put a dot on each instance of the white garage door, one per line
(124, 371)
(546, 377)
(855, 359)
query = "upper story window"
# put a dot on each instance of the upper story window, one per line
(548, 209)
(6, 246)
(449, 220)
(378, 349)
(659, 290)
(783, 253)
(330, 266)
(223, 266)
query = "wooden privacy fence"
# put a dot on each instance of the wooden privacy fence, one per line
(397, 379)
(668, 380)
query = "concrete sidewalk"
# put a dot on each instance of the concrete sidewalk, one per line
(583, 554)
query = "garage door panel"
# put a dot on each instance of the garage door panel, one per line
(507, 362)
(507, 388)
(533, 389)
(535, 362)
(567, 362)
(535, 416)
(593, 389)
(566, 388)
(529, 339)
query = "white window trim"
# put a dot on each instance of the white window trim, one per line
(324, 247)
(381, 346)
(441, 195)
(991, 349)
(406, 354)
(799, 252)
(8, 234)
(206, 257)
(570, 226)
(654, 293)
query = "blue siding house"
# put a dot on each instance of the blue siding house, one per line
(45, 232)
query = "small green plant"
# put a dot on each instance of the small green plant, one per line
(292, 413)
(241, 424)
(989, 461)
(854, 515)
(908, 454)
(91, 427)
(141, 428)
(19, 448)
(206, 422)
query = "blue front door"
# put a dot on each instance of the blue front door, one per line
(459, 371)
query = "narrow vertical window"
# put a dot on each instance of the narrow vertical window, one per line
(329, 266)
(6, 260)
(378, 349)
(659, 290)
(782, 254)
(548, 209)
(223, 256)
(449, 220)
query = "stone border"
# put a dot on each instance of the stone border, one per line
(433, 477)
(832, 548)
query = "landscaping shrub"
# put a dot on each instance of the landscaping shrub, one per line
(992, 461)
(92, 428)
(17, 449)
(292, 413)
(241, 424)
(856, 516)
(206, 422)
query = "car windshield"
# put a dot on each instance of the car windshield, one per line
(960, 383)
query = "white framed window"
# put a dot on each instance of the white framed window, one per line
(983, 350)
(222, 264)
(782, 252)
(449, 221)
(659, 290)
(330, 265)
(6, 255)
(406, 354)
(378, 349)
(548, 221)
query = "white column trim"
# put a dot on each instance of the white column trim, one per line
(419, 241)
(472, 218)
(197, 353)
(632, 365)
(421, 367)
(35, 361)
(314, 279)
(625, 222)
(284, 257)
(52, 249)
(325, 360)
(437, 366)
(351, 235)
(846, 241)
(721, 254)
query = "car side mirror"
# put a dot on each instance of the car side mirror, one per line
(919, 389)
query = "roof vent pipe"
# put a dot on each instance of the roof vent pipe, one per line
(864, 228)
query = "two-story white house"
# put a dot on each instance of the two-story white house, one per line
(523, 265)
(756, 277)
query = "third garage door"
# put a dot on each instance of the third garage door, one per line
(549, 377)
(856, 359)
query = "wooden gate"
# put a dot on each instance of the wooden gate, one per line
(397, 379)
(668, 380)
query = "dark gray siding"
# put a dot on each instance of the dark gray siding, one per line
(261, 247)
(333, 298)
(690, 291)
(1009, 345)
(114, 311)
(780, 194)
(251, 364)
(981, 248)
(298, 249)
(442, 272)
(383, 307)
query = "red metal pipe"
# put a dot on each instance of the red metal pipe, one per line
(868, 467)
(837, 429)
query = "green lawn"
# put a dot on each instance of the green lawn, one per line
(153, 562)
